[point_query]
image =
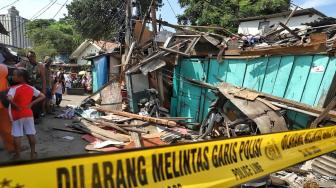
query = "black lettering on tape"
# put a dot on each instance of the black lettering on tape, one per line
(175, 166)
(108, 174)
(199, 160)
(168, 165)
(131, 175)
(63, 174)
(157, 167)
(74, 176)
(206, 159)
(96, 183)
(120, 175)
(186, 162)
(81, 176)
(193, 151)
(142, 174)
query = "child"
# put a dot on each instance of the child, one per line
(58, 90)
(20, 97)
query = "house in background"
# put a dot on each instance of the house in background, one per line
(91, 48)
(260, 24)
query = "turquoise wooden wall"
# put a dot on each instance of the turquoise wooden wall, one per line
(305, 78)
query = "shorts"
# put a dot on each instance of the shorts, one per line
(23, 126)
(48, 94)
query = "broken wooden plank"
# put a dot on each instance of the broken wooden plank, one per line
(139, 117)
(81, 128)
(129, 55)
(136, 137)
(132, 129)
(174, 51)
(245, 94)
(293, 50)
(112, 125)
(269, 104)
(143, 26)
(291, 15)
(318, 38)
(105, 133)
(290, 31)
(296, 106)
(324, 114)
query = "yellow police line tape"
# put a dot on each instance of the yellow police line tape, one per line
(219, 163)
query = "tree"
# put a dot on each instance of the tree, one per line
(101, 19)
(50, 37)
(225, 13)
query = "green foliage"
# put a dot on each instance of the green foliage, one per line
(227, 12)
(52, 37)
(100, 19)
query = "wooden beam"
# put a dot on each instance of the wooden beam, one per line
(289, 103)
(300, 50)
(174, 51)
(139, 117)
(108, 134)
(290, 31)
(324, 114)
(291, 15)
(144, 21)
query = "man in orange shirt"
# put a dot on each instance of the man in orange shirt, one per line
(5, 124)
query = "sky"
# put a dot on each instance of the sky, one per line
(29, 8)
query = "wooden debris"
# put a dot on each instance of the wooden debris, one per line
(300, 50)
(136, 137)
(174, 51)
(132, 129)
(112, 125)
(144, 118)
(290, 31)
(269, 104)
(108, 134)
(324, 114)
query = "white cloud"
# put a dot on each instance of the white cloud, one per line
(317, 3)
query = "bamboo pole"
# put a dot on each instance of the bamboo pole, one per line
(139, 117)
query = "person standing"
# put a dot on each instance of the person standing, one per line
(37, 79)
(5, 124)
(21, 100)
(58, 90)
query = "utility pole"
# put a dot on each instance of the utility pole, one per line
(153, 15)
(128, 37)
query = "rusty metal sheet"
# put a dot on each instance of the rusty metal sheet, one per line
(266, 118)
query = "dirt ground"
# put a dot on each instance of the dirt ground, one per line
(50, 143)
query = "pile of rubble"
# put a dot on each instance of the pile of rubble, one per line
(319, 172)
(108, 130)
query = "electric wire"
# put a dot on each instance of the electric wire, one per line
(171, 8)
(45, 10)
(60, 9)
(9, 5)
(39, 11)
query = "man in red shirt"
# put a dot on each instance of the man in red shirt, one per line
(20, 97)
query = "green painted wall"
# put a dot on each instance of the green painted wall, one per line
(304, 78)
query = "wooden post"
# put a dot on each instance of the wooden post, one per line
(324, 114)
(153, 15)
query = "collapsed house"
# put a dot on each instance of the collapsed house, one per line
(281, 80)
